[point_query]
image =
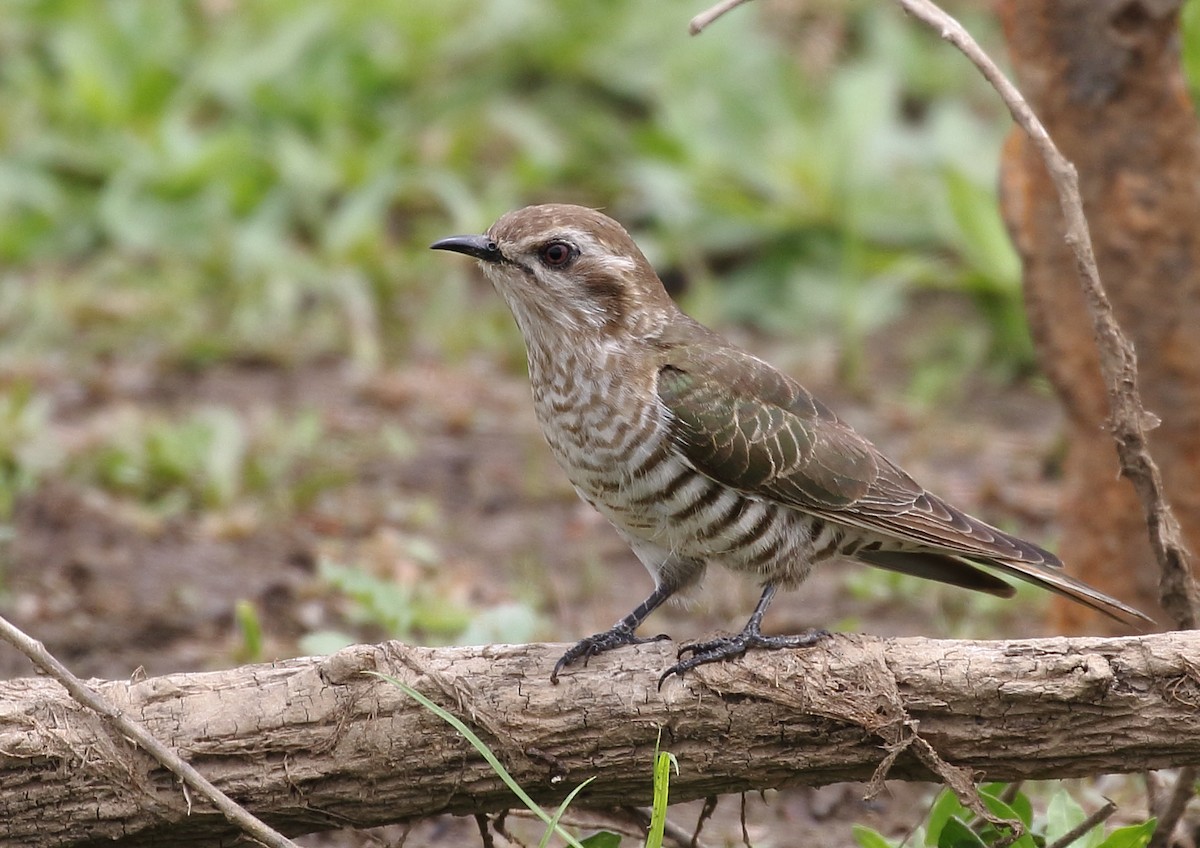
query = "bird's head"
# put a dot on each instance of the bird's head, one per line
(568, 270)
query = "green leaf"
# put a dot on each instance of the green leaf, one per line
(982, 237)
(1019, 807)
(956, 834)
(1005, 811)
(663, 761)
(602, 839)
(1062, 813)
(868, 838)
(945, 806)
(1134, 836)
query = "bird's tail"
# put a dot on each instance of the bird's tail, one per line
(967, 573)
(1057, 580)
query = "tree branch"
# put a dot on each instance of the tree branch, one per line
(132, 731)
(315, 743)
(1128, 419)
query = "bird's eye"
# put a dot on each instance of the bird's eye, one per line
(557, 254)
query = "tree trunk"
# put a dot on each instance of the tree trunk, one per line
(1105, 78)
(314, 743)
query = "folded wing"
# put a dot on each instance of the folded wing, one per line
(745, 424)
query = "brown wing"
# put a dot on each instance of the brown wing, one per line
(747, 425)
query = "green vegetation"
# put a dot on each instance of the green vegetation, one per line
(951, 825)
(189, 184)
(204, 461)
(417, 611)
(210, 458)
(199, 182)
(25, 452)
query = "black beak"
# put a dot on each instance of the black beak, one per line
(478, 247)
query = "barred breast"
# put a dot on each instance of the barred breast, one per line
(612, 441)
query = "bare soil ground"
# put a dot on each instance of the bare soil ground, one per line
(113, 591)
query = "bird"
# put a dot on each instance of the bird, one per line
(701, 454)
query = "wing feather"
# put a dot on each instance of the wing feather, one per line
(745, 424)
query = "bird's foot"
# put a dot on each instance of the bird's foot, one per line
(615, 637)
(730, 647)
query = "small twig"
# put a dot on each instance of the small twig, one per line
(1084, 826)
(1169, 815)
(134, 732)
(1011, 791)
(485, 830)
(500, 825)
(702, 20)
(404, 835)
(1154, 790)
(710, 806)
(1128, 419)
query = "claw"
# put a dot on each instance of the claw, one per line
(616, 637)
(730, 647)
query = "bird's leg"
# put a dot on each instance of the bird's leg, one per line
(621, 633)
(728, 647)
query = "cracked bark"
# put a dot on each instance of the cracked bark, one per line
(315, 743)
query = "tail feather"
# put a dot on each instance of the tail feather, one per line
(1057, 580)
(957, 571)
(940, 567)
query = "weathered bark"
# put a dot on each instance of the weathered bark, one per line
(314, 743)
(1105, 78)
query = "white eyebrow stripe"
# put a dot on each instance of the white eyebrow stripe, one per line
(596, 250)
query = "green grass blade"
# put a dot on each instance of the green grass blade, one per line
(558, 814)
(250, 625)
(663, 761)
(485, 752)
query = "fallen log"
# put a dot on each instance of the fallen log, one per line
(315, 743)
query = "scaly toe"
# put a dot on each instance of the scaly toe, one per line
(599, 643)
(730, 647)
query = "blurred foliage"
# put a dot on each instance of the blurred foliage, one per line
(947, 609)
(25, 450)
(208, 460)
(949, 824)
(183, 184)
(212, 180)
(418, 611)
